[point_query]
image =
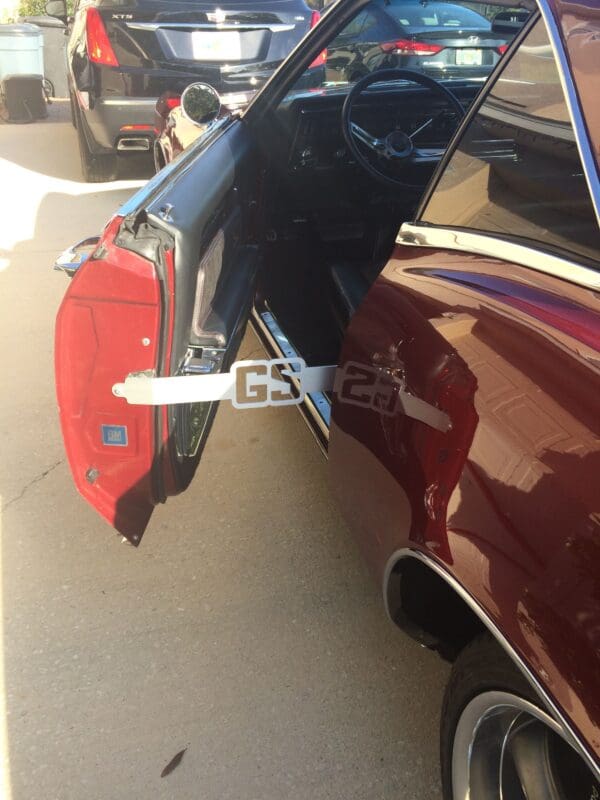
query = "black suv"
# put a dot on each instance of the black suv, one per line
(123, 54)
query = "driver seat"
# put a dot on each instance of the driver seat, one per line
(349, 283)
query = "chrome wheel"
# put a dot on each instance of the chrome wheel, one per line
(506, 748)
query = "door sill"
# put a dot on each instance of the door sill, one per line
(316, 407)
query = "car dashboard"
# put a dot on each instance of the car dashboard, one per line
(313, 122)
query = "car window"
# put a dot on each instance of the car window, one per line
(517, 170)
(354, 29)
(421, 16)
(446, 41)
(377, 27)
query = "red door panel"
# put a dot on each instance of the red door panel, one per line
(108, 325)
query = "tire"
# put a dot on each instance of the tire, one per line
(95, 168)
(497, 740)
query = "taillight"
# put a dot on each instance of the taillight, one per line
(407, 47)
(99, 47)
(166, 103)
(127, 128)
(321, 59)
(502, 48)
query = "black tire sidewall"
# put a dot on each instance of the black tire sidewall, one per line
(482, 666)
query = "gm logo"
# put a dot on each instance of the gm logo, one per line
(114, 435)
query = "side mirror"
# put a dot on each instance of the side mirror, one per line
(58, 9)
(201, 103)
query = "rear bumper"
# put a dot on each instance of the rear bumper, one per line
(109, 117)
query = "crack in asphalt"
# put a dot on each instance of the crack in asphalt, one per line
(31, 483)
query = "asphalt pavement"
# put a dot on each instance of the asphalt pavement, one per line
(245, 630)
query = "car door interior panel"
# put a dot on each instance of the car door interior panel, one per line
(188, 278)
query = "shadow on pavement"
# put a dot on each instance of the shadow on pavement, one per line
(31, 148)
(87, 215)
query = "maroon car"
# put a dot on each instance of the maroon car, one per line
(421, 260)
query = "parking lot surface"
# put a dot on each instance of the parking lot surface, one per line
(244, 630)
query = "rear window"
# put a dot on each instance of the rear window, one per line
(420, 17)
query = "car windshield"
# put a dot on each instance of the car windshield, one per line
(422, 17)
(445, 41)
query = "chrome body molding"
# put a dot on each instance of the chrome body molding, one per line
(583, 144)
(483, 244)
(317, 404)
(128, 101)
(566, 728)
(277, 27)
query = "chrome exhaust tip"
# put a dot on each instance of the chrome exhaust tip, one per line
(129, 143)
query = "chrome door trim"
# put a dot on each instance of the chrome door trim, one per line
(455, 585)
(487, 245)
(128, 101)
(316, 403)
(277, 27)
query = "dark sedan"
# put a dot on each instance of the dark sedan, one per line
(440, 39)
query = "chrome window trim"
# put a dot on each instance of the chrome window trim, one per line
(455, 585)
(583, 144)
(484, 244)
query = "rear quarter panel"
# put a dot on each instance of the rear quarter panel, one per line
(509, 500)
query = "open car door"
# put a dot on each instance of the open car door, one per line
(166, 292)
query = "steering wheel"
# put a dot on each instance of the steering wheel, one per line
(397, 147)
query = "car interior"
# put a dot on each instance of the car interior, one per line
(300, 213)
(334, 224)
(341, 176)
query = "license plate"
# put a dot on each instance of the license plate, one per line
(216, 46)
(467, 57)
